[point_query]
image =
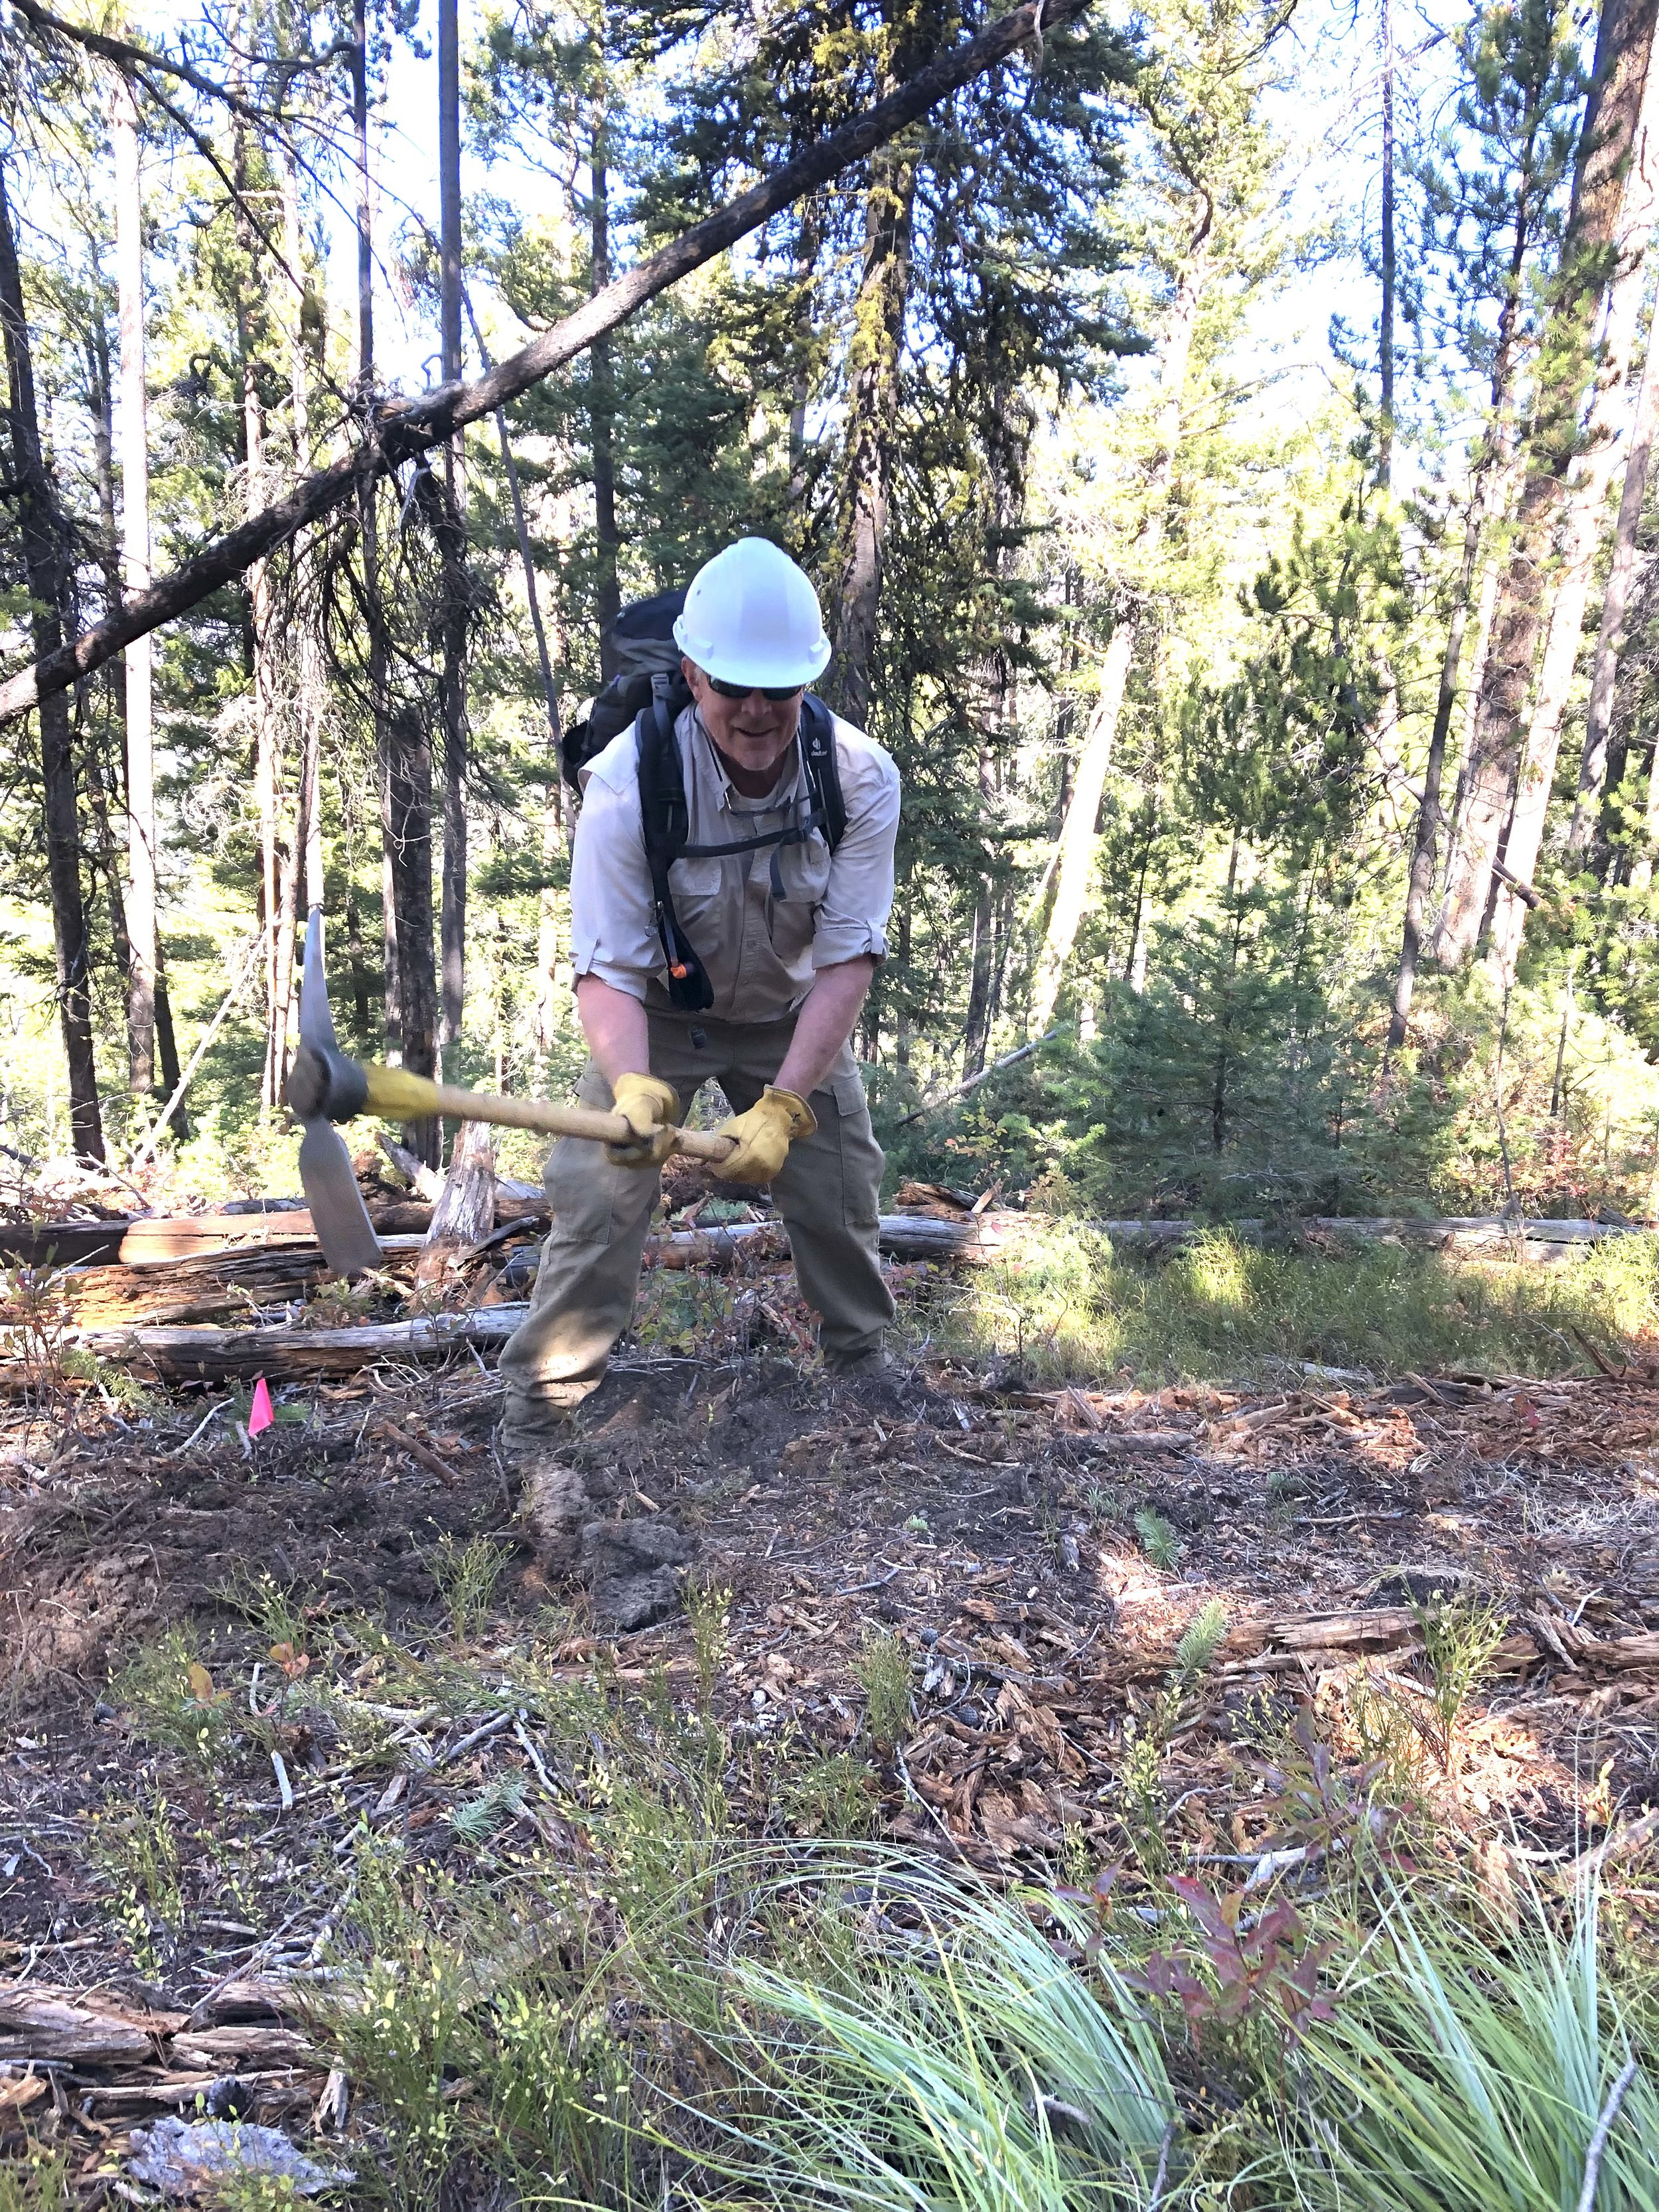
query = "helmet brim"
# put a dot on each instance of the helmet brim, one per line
(759, 672)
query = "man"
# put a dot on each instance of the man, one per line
(789, 933)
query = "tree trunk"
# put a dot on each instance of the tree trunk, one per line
(267, 741)
(452, 698)
(1074, 873)
(1487, 496)
(465, 1211)
(873, 406)
(1224, 1026)
(308, 673)
(135, 514)
(1610, 640)
(104, 803)
(409, 848)
(1386, 320)
(1076, 857)
(368, 525)
(1420, 883)
(452, 540)
(1623, 44)
(809, 246)
(976, 1029)
(44, 544)
(1586, 501)
(602, 407)
(449, 189)
(109, 559)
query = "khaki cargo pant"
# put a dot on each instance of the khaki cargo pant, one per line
(827, 1194)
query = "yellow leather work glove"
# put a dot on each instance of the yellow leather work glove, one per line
(650, 1110)
(764, 1134)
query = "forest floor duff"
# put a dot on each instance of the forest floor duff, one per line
(1028, 1632)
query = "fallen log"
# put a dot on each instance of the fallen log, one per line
(222, 1355)
(729, 1246)
(59, 2027)
(161, 1240)
(1540, 1241)
(222, 1286)
(60, 1243)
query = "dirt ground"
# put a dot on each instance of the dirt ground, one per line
(996, 1534)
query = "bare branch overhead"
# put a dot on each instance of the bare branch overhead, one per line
(407, 428)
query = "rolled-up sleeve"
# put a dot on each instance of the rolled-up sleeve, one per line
(851, 918)
(613, 934)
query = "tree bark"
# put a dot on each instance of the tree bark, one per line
(451, 541)
(465, 1211)
(1623, 44)
(1386, 320)
(141, 919)
(267, 737)
(873, 406)
(368, 527)
(308, 674)
(409, 850)
(44, 544)
(1487, 495)
(1584, 504)
(602, 407)
(1610, 640)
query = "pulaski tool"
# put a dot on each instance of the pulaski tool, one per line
(324, 1085)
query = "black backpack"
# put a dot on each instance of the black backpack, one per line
(650, 690)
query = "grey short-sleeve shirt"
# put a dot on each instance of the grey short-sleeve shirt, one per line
(761, 950)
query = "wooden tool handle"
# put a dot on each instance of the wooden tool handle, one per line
(395, 1090)
(540, 1113)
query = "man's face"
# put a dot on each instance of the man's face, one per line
(754, 731)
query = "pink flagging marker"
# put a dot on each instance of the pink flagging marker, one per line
(261, 1414)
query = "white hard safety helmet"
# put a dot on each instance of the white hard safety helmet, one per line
(751, 617)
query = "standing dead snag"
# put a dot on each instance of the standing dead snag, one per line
(402, 431)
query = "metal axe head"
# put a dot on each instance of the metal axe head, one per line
(337, 1212)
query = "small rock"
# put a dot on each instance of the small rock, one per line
(190, 2158)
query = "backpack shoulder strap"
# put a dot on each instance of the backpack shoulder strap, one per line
(664, 814)
(818, 738)
(666, 823)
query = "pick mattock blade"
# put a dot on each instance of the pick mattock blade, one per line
(337, 1212)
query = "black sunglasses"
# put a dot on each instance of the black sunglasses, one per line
(773, 691)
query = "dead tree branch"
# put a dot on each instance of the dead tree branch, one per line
(408, 428)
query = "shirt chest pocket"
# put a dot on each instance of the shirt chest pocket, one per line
(694, 883)
(804, 870)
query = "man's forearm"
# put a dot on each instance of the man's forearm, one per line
(824, 1024)
(614, 1026)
